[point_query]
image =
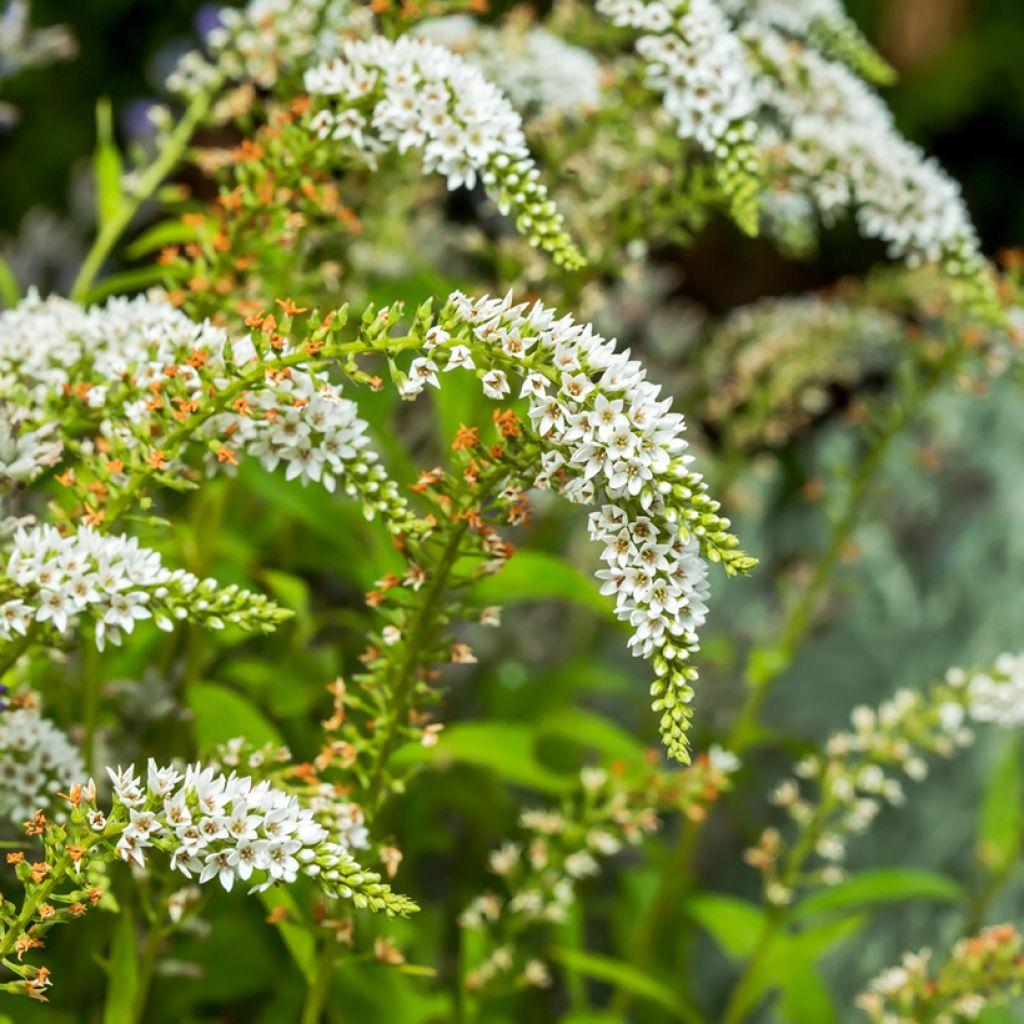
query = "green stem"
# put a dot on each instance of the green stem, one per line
(90, 705)
(147, 971)
(316, 996)
(404, 676)
(149, 182)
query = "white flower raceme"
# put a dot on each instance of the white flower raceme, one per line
(695, 60)
(55, 579)
(410, 93)
(37, 761)
(229, 828)
(264, 40)
(606, 438)
(832, 134)
(537, 70)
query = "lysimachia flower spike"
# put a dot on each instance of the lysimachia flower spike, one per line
(49, 580)
(409, 93)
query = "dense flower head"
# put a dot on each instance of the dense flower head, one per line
(696, 62)
(538, 71)
(230, 828)
(410, 93)
(264, 40)
(996, 695)
(37, 762)
(57, 578)
(605, 438)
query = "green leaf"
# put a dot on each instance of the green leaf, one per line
(594, 732)
(734, 924)
(159, 236)
(506, 748)
(122, 972)
(626, 977)
(297, 938)
(107, 165)
(806, 999)
(222, 714)
(881, 885)
(10, 292)
(999, 822)
(538, 576)
(134, 280)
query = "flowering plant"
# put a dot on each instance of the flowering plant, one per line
(342, 342)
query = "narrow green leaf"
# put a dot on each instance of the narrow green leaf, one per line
(10, 292)
(734, 924)
(627, 977)
(881, 885)
(122, 971)
(538, 576)
(506, 748)
(999, 823)
(159, 236)
(134, 280)
(222, 714)
(806, 999)
(107, 165)
(298, 939)
(595, 732)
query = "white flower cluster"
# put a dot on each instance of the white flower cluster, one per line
(606, 438)
(265, 40)
(538, 71)
(229, 828)
(50, 346)
(112, 357)
(833, 134)
(37, 761)
(695, 60)
(995, 696)
(57, 579)
(410, 93)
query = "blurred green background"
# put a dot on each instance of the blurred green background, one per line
(939, 563)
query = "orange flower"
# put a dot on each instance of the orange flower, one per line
(466, 437)
(225, 454)
(289, 307)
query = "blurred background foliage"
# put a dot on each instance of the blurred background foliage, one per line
(931, 579)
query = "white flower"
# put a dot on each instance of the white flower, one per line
(37, 761)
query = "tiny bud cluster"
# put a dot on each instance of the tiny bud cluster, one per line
(410, 93)
(58, 578)
(37, 762)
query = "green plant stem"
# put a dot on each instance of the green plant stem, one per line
(316, 996)
(165, 161)
(147, 971)
(404, 676)
(90, 706)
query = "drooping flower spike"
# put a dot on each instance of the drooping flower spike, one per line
(409, 93)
